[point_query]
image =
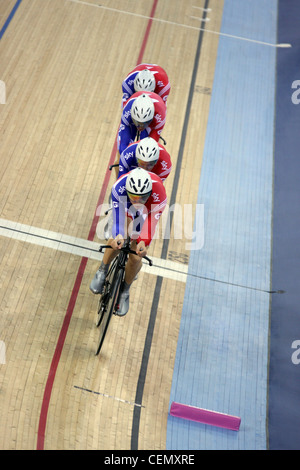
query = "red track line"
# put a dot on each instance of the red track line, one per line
(144, 43)
(78, 280)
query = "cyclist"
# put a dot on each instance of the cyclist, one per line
(148, 154)
(138, 198)
(144, 115)
(146, 77)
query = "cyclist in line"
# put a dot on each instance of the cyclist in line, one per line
(144, 115)
(139, 198)
(146, 77)
(147, 154)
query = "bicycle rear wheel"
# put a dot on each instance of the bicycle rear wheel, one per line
(107, 307)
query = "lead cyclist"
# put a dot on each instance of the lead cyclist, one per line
(138, 200)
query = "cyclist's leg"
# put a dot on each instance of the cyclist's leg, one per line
(134, 262)
(109, 254)
(98, 280)
(133, 267)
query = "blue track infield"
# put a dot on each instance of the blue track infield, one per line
(223, 348)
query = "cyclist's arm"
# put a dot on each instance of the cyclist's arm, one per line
(150, 223)
(164, 93)
(128, 87)
(141, 249)
(119, 213)
(164, 165)
(157, 126)
(127, 161)
(163, 88)
(126, 134)
(117, 242)
(164, 174)
(155, 133)
(125, 97)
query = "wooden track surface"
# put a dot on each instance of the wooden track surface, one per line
(63, 62)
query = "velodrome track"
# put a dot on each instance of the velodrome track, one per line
(205, 324)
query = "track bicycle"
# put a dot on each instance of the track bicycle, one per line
(108, 302)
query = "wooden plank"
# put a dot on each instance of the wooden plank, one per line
(63, 63)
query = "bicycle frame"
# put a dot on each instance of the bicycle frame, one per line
(114, 279)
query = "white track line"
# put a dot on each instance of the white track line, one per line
(105, 395)
(200, 19)
(262, 43)
(201, 8)
(83, 248)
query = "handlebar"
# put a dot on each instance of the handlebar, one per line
(112, 166)
(127, 250)
(108, 210)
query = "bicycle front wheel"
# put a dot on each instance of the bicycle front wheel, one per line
(107, 309)
(103, 301)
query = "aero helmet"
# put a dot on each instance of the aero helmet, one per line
(147, 153)
(144, 81)
(142, 111)
(138, 185)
